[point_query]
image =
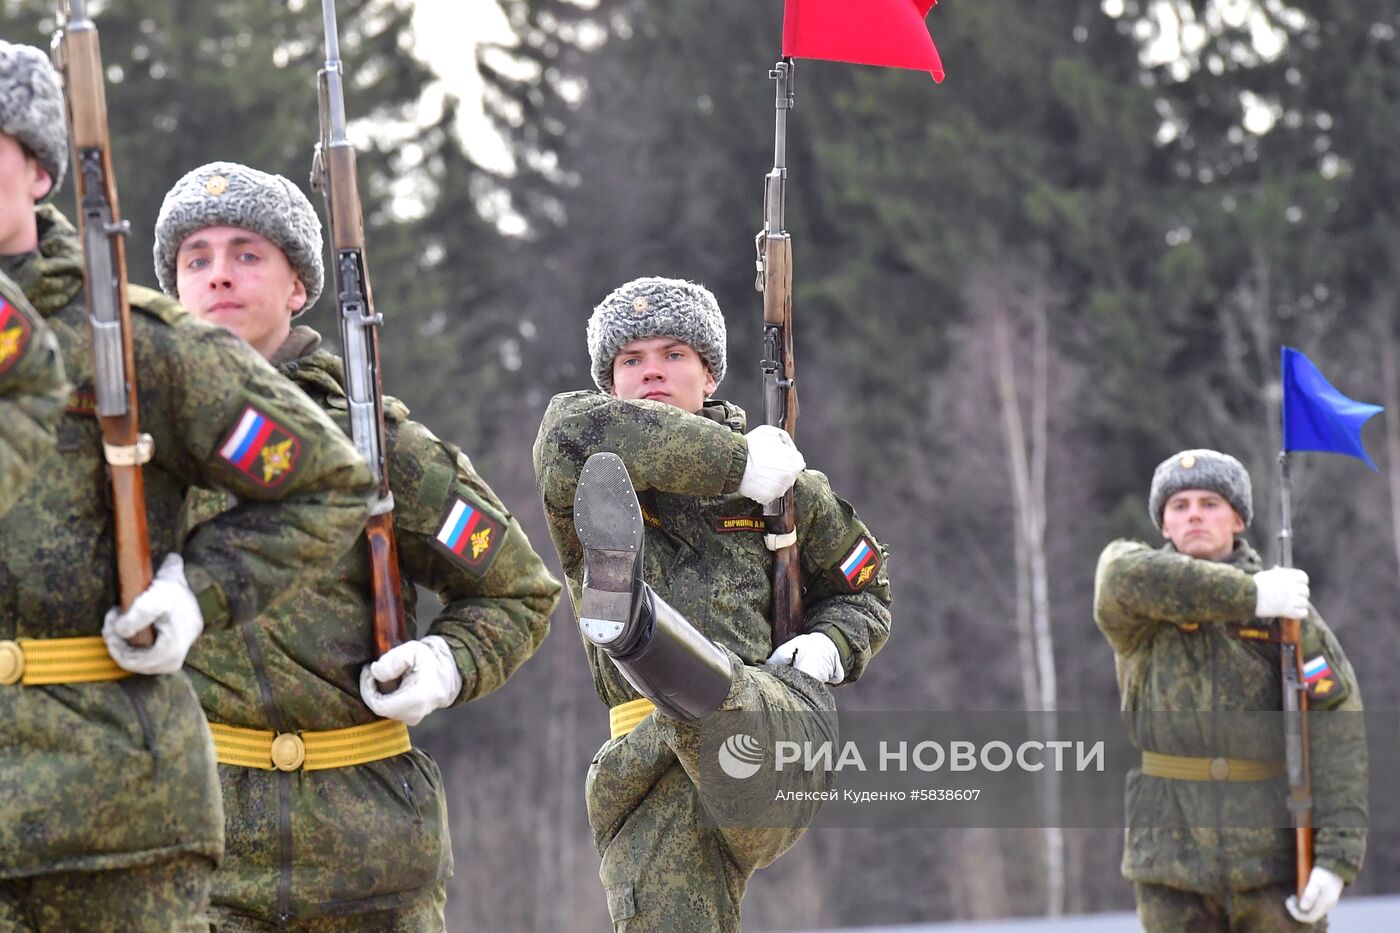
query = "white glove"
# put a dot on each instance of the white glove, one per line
(428, 680)
(168, 604)
(1282, 593)
(814, 654)
(774, 462)
(1320, 895)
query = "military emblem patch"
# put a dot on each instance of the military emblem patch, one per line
(261, 449)
(861, 564)
(468, 535)
(14, 334)
(740, 523)
(1319, 677)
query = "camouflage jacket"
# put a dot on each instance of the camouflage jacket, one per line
(1168, 618)
(704, 542)
(114, 774)
(298, 668)
(33, 391)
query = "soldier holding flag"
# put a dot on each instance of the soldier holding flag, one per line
(1200, 625)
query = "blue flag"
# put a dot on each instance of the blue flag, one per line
(1318, 417)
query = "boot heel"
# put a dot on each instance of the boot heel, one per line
(608, 520)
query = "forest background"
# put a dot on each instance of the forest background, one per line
(1016, 293)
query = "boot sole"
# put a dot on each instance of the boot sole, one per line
(608, 520)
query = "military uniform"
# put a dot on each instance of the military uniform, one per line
(665, 865)
(1184, 639)
(33, 391)
(369, 839)
(118, 774)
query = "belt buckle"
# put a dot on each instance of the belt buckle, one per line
(11, 662)
(1219, 769)
(288, 752)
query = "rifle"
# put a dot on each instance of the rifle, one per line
(774, 246)
(1295, 705)
(78, 58)
(333, 174)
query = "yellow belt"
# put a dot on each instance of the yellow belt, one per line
(309, 751)
(33, 661)
(1185, 768)
(625, 717)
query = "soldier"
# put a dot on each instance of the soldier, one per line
(321, 839)
(110, 819)
(679, 628)
(32, 386)
(1181, 620)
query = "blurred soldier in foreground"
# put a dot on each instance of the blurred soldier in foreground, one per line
(1183, 623)
(110, 818)
(334, 821)
(673, 594)
(32, 387)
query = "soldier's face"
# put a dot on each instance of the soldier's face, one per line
(1201, 524)
(239, 281)
(23, 181)
(662, 369)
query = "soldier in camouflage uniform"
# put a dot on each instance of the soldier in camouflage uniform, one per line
(110, 817)
(32, 387)
(316, 842)
(1183, 623)
(658, 352)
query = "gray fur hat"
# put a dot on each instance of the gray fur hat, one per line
(31, 107)
(656, 307)
(228, 194)
(1201, 469)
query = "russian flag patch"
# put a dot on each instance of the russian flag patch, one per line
(261, 449)
(860, 565)
(468, 535)
(14, 334)
(1318, 676)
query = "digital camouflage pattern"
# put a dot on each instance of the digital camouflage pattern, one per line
(33, 391)
(169, 896)
(371, 836)
(1162, 909)
(426, 913)
(1165, 614)
(665, 866)
(117, 774)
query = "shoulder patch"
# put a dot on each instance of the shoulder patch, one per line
(1322, 682)
(261, 449)
(467, 535)
(860, 565)
(15, 332)
(740, 523)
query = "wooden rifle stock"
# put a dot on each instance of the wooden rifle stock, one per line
(79, 58)
(777, 319)
(390, 621)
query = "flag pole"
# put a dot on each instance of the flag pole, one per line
(1295, 698)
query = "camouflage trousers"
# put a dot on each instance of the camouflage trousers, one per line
(167, 897)
(1167, 910)
(425, 915)
(668, 867)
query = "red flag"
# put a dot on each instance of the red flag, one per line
(890, 33)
